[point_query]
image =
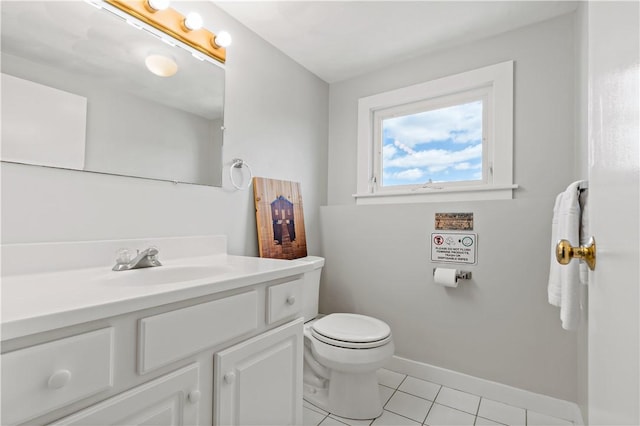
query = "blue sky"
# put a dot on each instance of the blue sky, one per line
(443, 145)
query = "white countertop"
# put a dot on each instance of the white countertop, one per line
(34, 303)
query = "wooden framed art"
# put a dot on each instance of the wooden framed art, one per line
(279, 219)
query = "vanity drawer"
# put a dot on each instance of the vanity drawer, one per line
(172, 336)
(284, 300)
(45, 377)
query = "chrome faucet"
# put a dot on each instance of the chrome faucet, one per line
(144, 259)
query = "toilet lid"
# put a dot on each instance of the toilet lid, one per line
(351, 331)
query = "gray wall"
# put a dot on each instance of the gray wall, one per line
(276, 120)
(499, 325)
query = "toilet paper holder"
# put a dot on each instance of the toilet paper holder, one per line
(461, 275)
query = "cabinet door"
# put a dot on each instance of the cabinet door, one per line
(170, 400)
(259, 381)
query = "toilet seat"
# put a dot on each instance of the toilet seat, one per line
(351, 331)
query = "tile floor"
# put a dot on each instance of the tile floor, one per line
(411, 401)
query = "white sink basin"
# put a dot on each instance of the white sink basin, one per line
(163, 274)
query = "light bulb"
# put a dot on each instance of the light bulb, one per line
(223, 39)
(160, 65)
(158, 4)
(193, 21)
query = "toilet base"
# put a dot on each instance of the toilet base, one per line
(353, 396)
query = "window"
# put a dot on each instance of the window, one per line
(445, 140)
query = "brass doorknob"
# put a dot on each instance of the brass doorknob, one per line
(565, 252)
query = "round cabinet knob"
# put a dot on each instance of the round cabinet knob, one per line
(291, 300)
(194, 396)
(229, 378)
(59, 379)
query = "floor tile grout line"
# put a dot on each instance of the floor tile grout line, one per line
(385, 404)
(338, 419)
(475, 417)
(315, 408)
(475, 421)
(491, 420)
(427, 381)
(459, 390)
(397, 414)
(396, 389)
(417, 396)
(402, 381)
(325, 413)
(432, 403)
(402, 415)
(388, 399)
(456, 408)
(391, 397)
(467, 393)
(323, 419)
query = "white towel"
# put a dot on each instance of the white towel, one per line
(585, 234)
(564, 280)
(555, 287)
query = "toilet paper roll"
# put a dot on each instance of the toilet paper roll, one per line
(445, 277)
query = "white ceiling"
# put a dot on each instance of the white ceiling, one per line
(337, 40)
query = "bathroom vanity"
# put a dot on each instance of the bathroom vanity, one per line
(206, 338)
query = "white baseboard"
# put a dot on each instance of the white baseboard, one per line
(509, 395)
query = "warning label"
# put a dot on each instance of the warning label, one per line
(453, 247)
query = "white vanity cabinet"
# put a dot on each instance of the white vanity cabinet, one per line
(174, 335)
(48, 376)
(259, 381)
(229, 357)
(170, 400)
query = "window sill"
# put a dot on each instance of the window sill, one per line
(426, 195)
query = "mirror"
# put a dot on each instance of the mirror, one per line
(76, 94)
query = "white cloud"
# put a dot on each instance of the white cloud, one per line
(435, 158)
(388, 152)
(439, 168)
(403, 147)
(460, 123)
(410, 174)
(467, 166)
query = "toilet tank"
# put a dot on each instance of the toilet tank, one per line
(311, 288)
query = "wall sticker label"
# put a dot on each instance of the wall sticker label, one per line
(450, 247)
(454, 221)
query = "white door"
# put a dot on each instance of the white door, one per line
(259, 381)
(614, 192)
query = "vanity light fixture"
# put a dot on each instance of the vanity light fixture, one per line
(223, 39)
(193, 21)
(155, 5)
(160, 65)
(187, 31)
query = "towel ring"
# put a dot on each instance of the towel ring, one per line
(238, 163)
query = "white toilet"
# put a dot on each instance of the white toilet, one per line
(341, 355)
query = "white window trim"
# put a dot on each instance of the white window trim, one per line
(479, 94)
(499, 186)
